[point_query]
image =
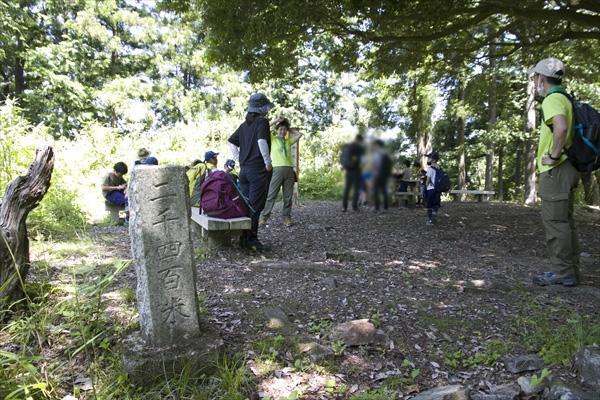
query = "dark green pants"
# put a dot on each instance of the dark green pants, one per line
(556, 189)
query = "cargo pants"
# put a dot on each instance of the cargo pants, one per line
(556, 189)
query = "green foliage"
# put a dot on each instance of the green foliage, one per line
(71, 316)
(376, 394)
(322, 184)
(555, 337)
(318, 326)
(535, 380)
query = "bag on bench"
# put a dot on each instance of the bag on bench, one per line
(220, 198)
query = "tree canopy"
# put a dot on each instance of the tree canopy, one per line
(265, 37)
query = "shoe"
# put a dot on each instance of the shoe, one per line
(344, 209)
(434, 217)
(262, 222)
(429, 222)
(256, 245)
(374, 211)
(126, 222)
(550, 278)
(288, 222)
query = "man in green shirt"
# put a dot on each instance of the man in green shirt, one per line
(558, 178)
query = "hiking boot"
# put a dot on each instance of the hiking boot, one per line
(344, 210)
(550, 278)
(288, 222)
(262, 222)
(256, 245)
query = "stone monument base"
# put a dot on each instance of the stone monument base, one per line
(146, 364)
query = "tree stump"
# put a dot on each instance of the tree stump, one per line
(21, 196)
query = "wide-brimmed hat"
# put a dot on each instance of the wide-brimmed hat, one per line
(259, 103)
(143, 153)
(550, 67)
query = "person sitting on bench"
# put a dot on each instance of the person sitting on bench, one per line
(114, 188)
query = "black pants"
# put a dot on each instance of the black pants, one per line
(352, 181)
(380, 185)
(254, 183)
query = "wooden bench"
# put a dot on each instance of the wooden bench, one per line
(219, 231)
(411, 196)
(114, 210)
(456, 194)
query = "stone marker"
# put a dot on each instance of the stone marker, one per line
(166, 277)
(163, 255)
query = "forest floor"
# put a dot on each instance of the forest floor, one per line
(453, 298)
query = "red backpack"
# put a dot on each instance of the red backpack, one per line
(220, 198)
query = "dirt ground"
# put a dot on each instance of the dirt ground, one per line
(450, 297)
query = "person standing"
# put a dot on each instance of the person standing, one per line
(422, 176)
(283, 170)
(404, 178)
(251, 145)
(558, 178)
(352, 157)
(432, 196)
(382, 170)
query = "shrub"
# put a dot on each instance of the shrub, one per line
(322, 184)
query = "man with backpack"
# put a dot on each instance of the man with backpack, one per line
(351, 159)
(558, 178)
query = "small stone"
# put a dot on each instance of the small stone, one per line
(454, 392)
(524, 383)
(587, 362)
(522, 363)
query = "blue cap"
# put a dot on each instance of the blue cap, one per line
(230, 164)
(433, 155)
(209, 154)
(150, 161)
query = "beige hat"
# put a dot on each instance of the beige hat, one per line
(143, 153)
(550, 67)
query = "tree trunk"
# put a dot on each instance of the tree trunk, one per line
(489, 158)
(500, 174)
(460, 138)
(22, 195)
(530, 193)
(592, 192)
(518, 174)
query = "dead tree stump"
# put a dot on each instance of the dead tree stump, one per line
(21, 196)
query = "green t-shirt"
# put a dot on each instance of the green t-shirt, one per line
(281, 151)
(553, 105)
(112, 180)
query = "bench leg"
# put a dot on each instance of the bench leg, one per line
(114, 215)
(220, 238)
(479, 198)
